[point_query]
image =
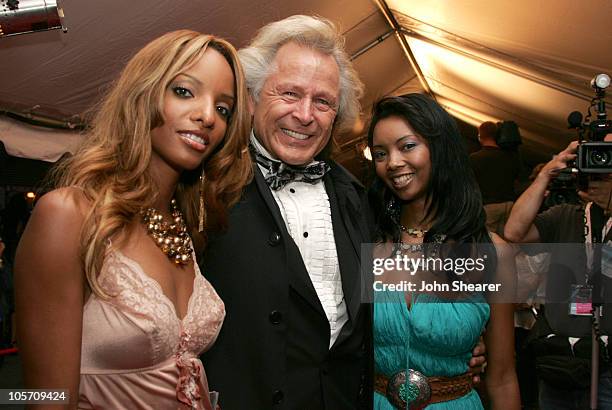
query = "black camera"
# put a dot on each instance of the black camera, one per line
(594, 155)
(562, 190)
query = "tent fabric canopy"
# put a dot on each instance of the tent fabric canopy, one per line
(520, 60)
(26, 141)
(532, 64)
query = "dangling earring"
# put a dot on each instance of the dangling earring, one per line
(202, 211)
(389, 208)
(393, 209)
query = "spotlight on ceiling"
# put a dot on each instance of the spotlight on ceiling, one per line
(29, 16)
(600, 81)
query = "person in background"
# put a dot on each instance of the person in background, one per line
(110, 302)
(531, 287)
(14, 218)
(566, 224)
(497, 171)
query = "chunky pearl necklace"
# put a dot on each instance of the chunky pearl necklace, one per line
(417, 233)
(433, 247)
(172, 238)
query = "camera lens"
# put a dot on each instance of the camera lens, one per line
(600, 158)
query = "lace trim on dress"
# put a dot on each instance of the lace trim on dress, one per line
(137, 293)
(204, 327)
(134, 292)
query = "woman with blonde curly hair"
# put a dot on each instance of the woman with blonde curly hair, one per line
(111, 304)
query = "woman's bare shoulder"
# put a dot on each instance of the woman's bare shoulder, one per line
(68, 203)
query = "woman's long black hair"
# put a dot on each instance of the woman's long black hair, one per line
(453, 194)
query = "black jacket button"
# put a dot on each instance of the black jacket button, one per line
(274, 238)
(325, 367)
(275, 317)
(277, 397)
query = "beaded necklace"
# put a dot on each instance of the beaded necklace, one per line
(171, 237)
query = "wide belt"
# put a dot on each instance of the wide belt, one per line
(421, 390)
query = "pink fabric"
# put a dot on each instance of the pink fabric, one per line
(136, 352)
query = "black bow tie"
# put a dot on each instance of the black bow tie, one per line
(280, 174)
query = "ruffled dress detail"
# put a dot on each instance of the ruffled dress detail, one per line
(436, 338)
(136, 352)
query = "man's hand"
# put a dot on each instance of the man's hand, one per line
(559, 161)
(478, 362)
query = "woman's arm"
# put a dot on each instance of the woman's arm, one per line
(49, 294)
(500, 379)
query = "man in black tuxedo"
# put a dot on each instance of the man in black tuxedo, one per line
(296, 335)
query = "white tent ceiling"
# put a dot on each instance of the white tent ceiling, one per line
(529, 61)
(526, 61)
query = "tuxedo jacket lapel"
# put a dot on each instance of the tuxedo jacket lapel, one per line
(350, 232)
(297, 274)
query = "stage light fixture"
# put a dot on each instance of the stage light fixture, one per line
(600, 81)
(29, 16)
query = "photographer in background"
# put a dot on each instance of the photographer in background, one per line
(565, 223)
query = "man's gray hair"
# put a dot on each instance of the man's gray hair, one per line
(317, 33)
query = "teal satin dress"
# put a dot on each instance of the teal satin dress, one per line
(434, 338)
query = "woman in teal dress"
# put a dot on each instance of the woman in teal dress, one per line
(427, 202)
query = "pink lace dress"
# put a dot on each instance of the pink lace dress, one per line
(136, 353)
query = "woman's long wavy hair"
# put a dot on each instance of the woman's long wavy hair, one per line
(112, 165)
(453, 196)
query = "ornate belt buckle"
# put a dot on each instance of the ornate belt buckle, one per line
(416, 392)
